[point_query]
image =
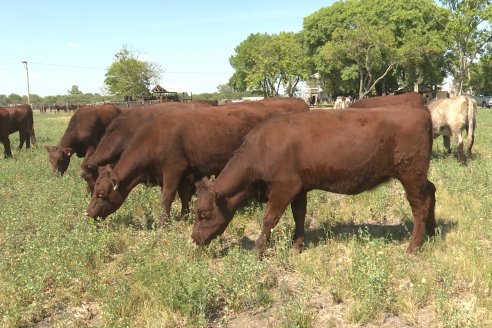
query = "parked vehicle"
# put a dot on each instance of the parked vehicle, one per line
(483, 101)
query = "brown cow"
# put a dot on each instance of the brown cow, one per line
(450, 116)
(5, 131)
(21, 119)
(121, 131)
(345, 152)
(85, 129)
(409, 98)
(197, 142)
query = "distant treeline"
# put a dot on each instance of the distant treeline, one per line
(86, 98)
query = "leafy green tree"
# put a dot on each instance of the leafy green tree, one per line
(267, 62)
(366, 45)
(470, 32)
(130, 77)
(14, 98)
(74, 90)
(480, 76)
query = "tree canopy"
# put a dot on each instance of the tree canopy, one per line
(367, 47)
(361, 46)
(130, 77)
(267, 62)
(469, 32)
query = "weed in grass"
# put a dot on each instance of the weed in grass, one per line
(370, 279)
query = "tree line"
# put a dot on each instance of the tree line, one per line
(356, 47)
(365, 47)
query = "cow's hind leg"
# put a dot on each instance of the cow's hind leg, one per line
(421, 196)
(171, 180)
(459, 145)
(446, 140)
(7, 149)
(186, 190)
(298, 207)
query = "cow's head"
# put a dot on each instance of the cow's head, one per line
(107, 196)
(59, 158)
(211, 213)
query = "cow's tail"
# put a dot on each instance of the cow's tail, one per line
(471, 117)
(31, 126)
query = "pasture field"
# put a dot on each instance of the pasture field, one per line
(59, 268)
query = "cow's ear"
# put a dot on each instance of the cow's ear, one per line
(51, 149)
(203, 184)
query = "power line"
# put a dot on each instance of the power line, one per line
(67, 66)
(100, 68)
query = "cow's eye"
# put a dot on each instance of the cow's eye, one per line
(100, 195)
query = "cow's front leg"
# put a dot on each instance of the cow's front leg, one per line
(279, 197)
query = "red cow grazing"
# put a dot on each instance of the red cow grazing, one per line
(21, 119)
(409, 98)
(5, 131)
(197, 142)
(85, 129)
(450, 117)
(121, 131)
(345, 152)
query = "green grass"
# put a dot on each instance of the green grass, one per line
(60, 269)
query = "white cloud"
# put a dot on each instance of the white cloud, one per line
(73, 45)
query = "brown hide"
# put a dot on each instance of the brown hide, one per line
(174, 146)
(410, 98)
(4, 132)
(21, 119)
(344, 152)
(85, 128)
(121, 131)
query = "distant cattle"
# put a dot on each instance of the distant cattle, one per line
(342, 102)
(284, 158)
(450, 117)
(85, 129)
(21, 119)
(5, 131)
(180, 145)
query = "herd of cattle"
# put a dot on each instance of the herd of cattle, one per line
(274, 151)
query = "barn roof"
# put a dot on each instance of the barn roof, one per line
(159, 89)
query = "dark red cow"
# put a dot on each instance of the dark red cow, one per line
(85, 129)
(409, 98)
(181, 144)
(121, 131)
(21, 119)
(345, 152)
(5, 131)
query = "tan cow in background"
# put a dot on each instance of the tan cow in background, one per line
(450, 117)
(342, 103)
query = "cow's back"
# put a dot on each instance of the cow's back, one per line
(410, 98)
(377, 143)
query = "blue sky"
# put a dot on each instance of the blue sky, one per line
(73, 43)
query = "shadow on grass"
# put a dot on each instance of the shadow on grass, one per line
(396, 233)
(443, 154)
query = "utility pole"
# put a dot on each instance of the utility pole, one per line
(27, 74)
